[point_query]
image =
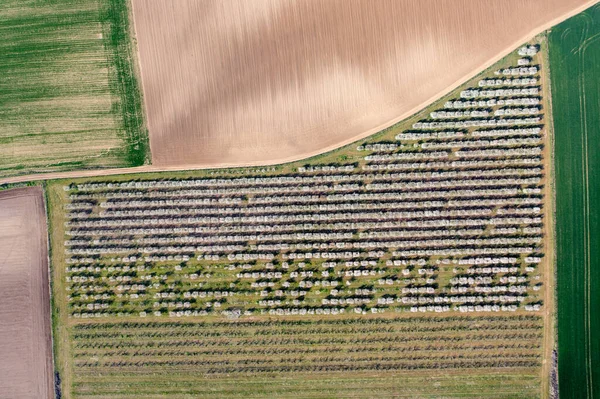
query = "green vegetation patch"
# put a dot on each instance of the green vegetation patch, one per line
(68, 95)
(575, 68)
(290, 283)
(310, 359)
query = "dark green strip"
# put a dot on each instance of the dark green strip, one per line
(575, 75)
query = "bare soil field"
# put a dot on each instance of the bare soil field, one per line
(234, 82)
(25, 339)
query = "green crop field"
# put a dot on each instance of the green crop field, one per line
(575, 77)
(68, 93)
(345, 357)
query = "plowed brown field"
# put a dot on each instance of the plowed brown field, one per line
(237, 82)
(25, 338)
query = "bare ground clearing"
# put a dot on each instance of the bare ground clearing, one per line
(25, 338)
(232, 83)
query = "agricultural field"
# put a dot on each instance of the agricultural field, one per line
(256, 84)
(26, 368)
(413, 263)
(68, 93)
(575, 67)
(338, 357)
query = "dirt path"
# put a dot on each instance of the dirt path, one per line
(26, 369)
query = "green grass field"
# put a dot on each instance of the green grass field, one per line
(68, 94)
(575, 71)
(346, 357)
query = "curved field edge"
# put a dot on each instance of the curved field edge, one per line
(575, 60)
(349, 154)
(324, 153)
(223, 126)
(70, 98)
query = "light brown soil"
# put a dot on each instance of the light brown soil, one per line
(26, 369)
(237, 82)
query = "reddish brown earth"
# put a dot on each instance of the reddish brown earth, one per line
(233, 82)
(26, 368)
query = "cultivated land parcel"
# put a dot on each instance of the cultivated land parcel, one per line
(68, 95)
(240, 83)
(575, 62)
(411, 264)
(71, 101)
(26, 369)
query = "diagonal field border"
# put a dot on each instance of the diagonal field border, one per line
(575, 74)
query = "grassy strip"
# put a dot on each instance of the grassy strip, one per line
(60, 328)
(497, 384)
(115, 19)
(575, 68)
(56, 353)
